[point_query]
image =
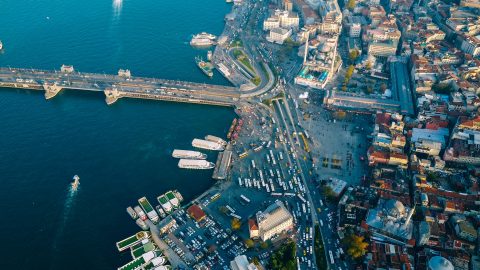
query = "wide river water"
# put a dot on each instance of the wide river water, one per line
(121, 152)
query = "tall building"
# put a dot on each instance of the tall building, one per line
(274, 220)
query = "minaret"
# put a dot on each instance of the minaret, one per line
(306, 49)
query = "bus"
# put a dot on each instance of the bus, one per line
(268, 159)
(236, 216)
(230, 208)
(244, 154)
(269, 143)
(280, 156)
(301, 198)
(247, 200)
(306, 134)
(257, 149)
(253, 163)
(304, 209)
(276, 194)
(332, 261)
(239, 181)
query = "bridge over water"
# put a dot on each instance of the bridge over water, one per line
(118, 86)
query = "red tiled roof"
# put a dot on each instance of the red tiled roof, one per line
(196, 212)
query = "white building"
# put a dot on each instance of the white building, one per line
(279, 35)
(241, 263)
(274, 220)
(471, 45)
(355, 29)
(271, 23)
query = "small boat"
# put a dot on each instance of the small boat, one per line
(75, 183)
(1, 45)
(160, 211)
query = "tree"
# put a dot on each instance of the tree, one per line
(328, 193)
(353, 55)
(357, 247)
(236, 224)
(249, 243)
(383, 87)
(264, 245)
(368, 66)
(351, 4)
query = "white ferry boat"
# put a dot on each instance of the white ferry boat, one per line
(207, 145)
(140, 212)
(188, 154)
(215, 139)
(205, 35)
(195, 164)
(202, 42)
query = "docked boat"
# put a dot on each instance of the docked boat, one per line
(140, 212)
(132, 212)
(165, 203)
(203, 39)
(207, 145)
(142, 224)
(205, 66)
(232, 127)
(209, 55)
(160, 211)
(188, 154)
(198, 164)
(132, 240)
(148, 208)
(172, 199)
(202, 42)
(178, 195)
(205, 35)
(215, 139)
(75, 183)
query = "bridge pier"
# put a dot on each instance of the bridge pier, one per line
(51, 90)
(111, 96)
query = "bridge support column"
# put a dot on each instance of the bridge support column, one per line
(111, 96)
(51, 90)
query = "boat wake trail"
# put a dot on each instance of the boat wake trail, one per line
(67, 208)
(117, 7)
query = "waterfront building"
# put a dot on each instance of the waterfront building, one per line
(253, 228)
(274, 220)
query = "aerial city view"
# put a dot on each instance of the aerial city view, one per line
(240, 134)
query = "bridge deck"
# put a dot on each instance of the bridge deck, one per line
(136, 87)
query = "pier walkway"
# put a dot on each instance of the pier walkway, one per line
(118, 86)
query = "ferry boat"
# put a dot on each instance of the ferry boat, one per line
(172, 199)
(178, 195)
(188, 154)
(205, 35)
(202, 42)
(207, 145)
(75, 183)
(1, 45)
(160, 211)
(132, 240)
(140, 212)
(132, 212)
(205, 66)
(209, 55)
(232, 127)
(203, 39)
(148, 208)
(142, 224)
(215, 139)
(198, 164)
(165, 203)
